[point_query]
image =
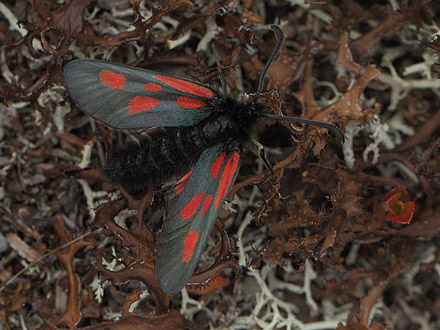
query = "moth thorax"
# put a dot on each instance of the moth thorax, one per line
(219, 129)
(250, 113)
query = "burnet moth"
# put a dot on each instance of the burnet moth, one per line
(200, 138)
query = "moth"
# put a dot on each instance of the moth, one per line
(199, 138)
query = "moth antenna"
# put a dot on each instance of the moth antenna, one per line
(219, 68)
(280, 39)
(333, 128)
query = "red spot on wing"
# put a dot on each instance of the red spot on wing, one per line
(186, 86)
(217, 165)
(226, 178)
(182, 183)
(191, 208)
(152, 87)
(189, 244)
(206, 204)
(190, 103)
(142, 103)
(112, 80)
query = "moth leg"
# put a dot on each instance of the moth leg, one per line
(262, 152)
(219, 68)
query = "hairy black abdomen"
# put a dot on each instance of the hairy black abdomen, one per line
(159, 157)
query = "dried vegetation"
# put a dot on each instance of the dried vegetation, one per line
(313, 236)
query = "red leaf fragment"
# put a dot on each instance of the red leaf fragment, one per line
(219, 281)
(395, 206)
